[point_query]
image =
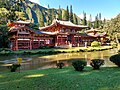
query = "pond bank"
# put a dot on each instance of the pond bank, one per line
(56, 50)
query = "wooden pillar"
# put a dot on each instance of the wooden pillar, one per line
(67, 39)
(78, 39)
(31, 42)
(16, 44)
(72, 40)
(16, 41)
(30, 45)
(39, 42)
(44, 42)
(11, 45)
(61, 40)
(56, 40)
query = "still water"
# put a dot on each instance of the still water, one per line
(48, 61)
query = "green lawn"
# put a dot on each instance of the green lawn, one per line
(62, 79)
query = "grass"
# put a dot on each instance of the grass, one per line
(55, 51)
(62, 79)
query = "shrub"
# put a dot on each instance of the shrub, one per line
(96, 63)
(79, 65)
(44, 47)
(114, 45)
(95, 44)
(115, 59)
(60, 65)
(5, 50)
(14, 67)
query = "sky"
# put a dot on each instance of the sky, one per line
(108, 8)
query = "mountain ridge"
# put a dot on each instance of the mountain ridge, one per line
(39, 14)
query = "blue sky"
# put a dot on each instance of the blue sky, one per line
(108, 8)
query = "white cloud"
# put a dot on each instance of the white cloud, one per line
(87, 16)
(35, 1)
(45, 6)
(93, 17)
(81, 16)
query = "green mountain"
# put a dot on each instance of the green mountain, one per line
(39, 14)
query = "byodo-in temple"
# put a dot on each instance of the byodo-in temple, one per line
(58, 34)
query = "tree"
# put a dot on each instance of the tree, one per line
(42, 21)
(49, 17)
(21, 15)
(59, 13)
(10, 8)
(71, 14)
(96, 23)
(104, 21)
(75, 21)
(112, 27)
(40, 17)
(64, 17)
(67, 13)
(53, 14)
(90, 21)
(99, 16)
(14, 9)
(48, 6)
(8, 12)
(4, 38)
(84, 19)
(100, 21)
(4, 15)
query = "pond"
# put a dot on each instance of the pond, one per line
(48, 61)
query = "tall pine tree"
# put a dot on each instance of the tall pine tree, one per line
(96, 23)
(60, 14)
(84, 19)
(64, 15)
(100, 21)
(41, 18)
(75, 21)
(67, 14)
(90, 21)
(71, 14)
(49, 20)
(53, 14)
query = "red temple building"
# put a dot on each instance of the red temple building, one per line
(95, 35)
(66, 32)
(59, 33)
(23, 37)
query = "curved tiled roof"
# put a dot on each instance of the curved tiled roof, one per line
(15, 28)
(97, 34)
(22, 22)
(92, 30)
(63, 23)
(68, 23)
(42, 32)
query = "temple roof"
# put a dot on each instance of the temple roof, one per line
(92, 30)
(63, 23)
(15, 28)
(83, 34)
(22, 22)
(68, 23)
(42, 32)
(97, 34)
